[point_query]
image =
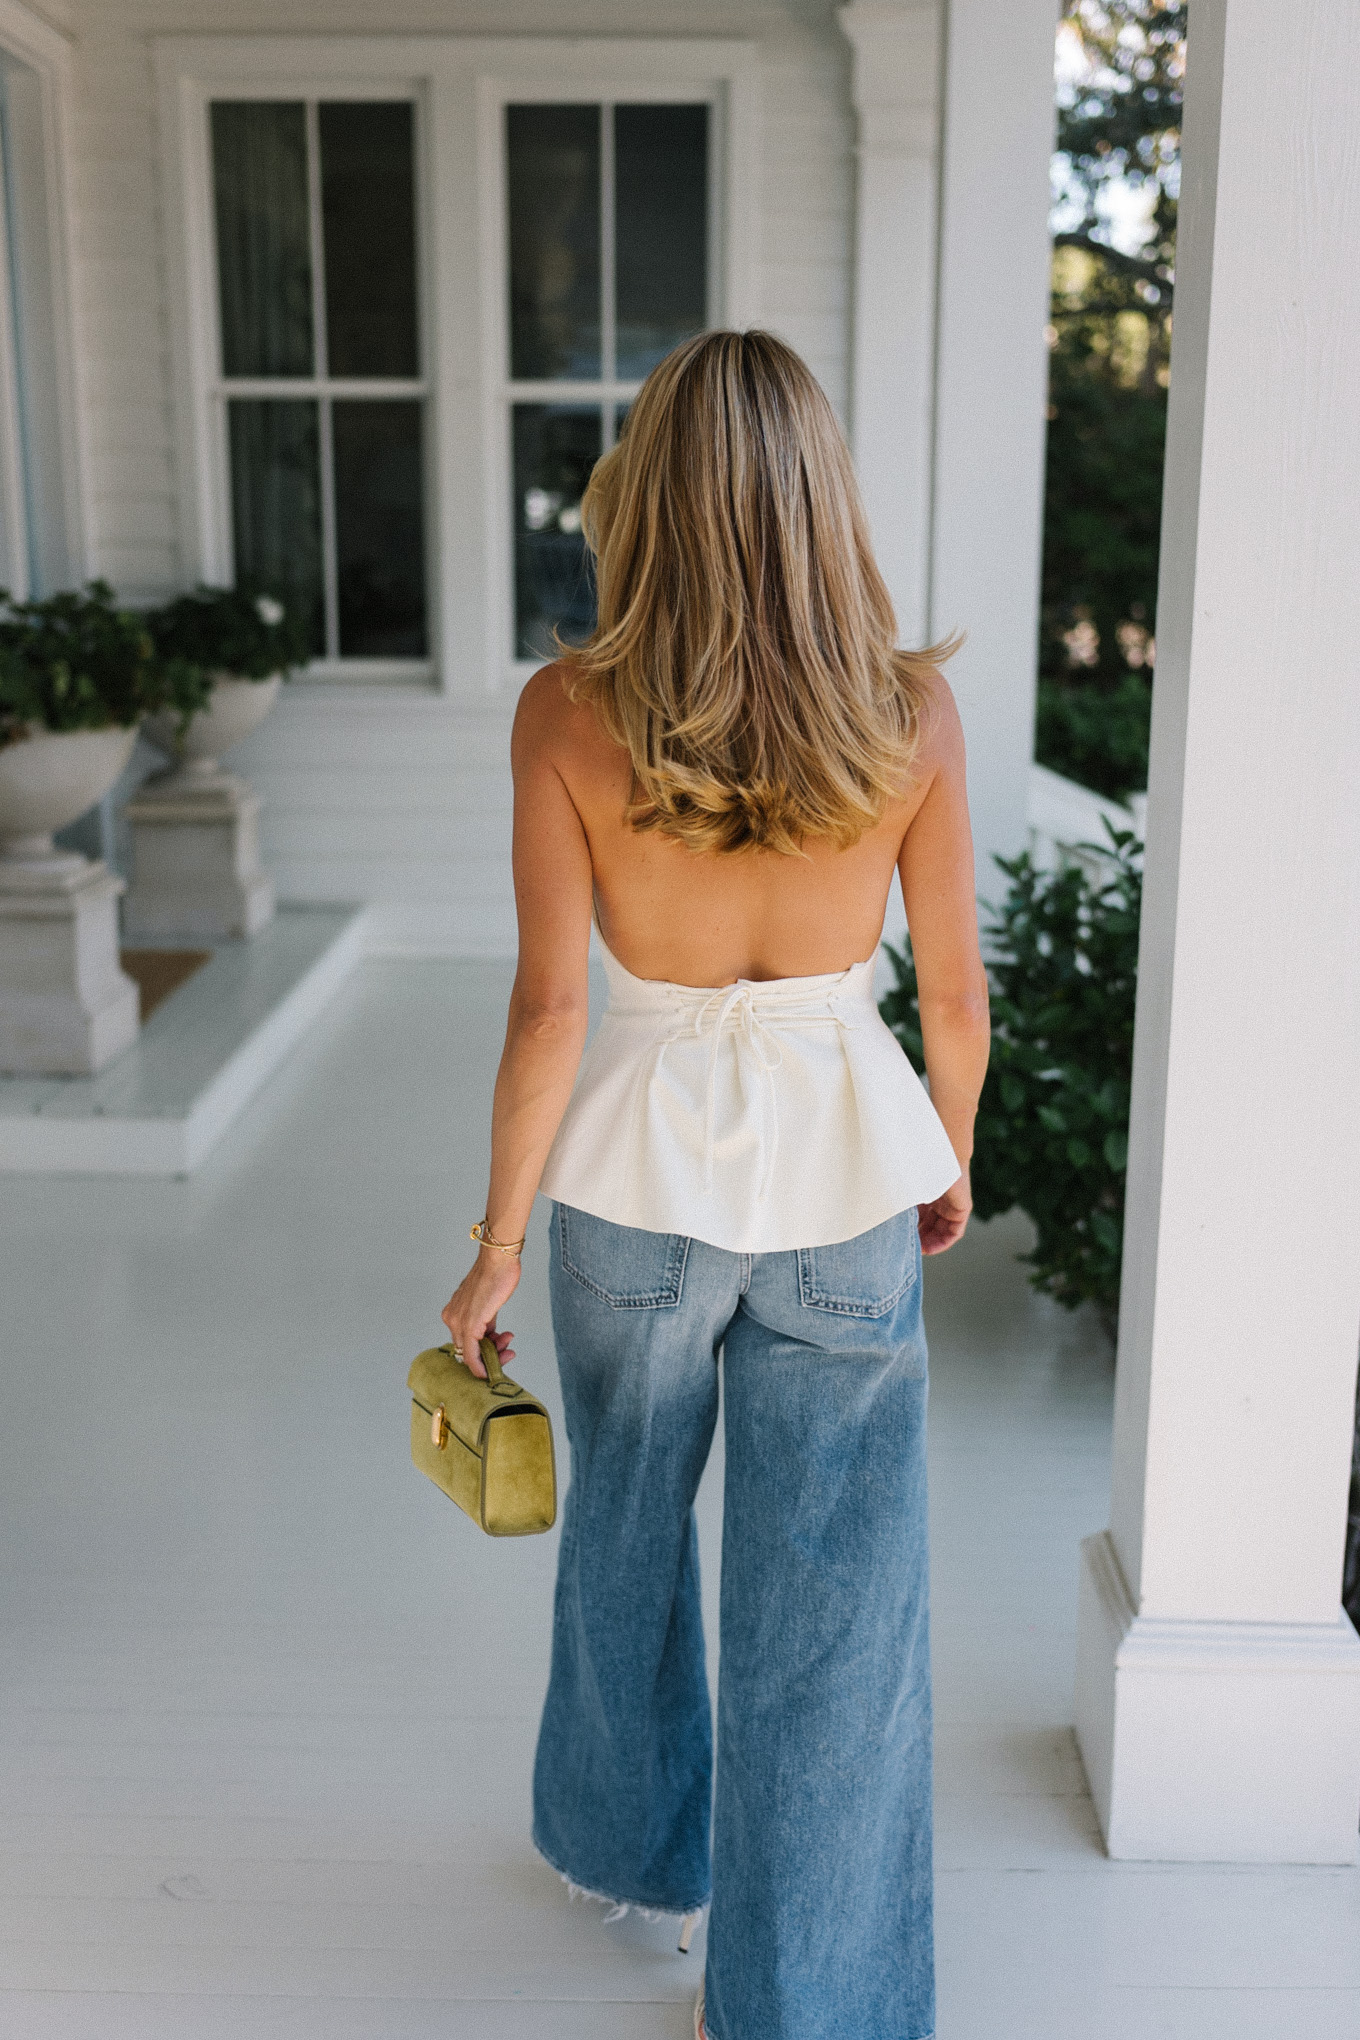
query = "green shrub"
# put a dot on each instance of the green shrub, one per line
(1052, 1127)
(1120, 94)
(246, 632)
(1097, 735)
(76, 661)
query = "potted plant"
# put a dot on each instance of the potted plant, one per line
(196, 860)
(244, 641)
(77, 674)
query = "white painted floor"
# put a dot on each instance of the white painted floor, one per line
(267, 1703)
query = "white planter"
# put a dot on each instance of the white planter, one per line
(48, 780)
(234, 709)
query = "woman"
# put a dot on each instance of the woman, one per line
(726, 776)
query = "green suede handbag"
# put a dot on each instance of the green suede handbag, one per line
(487, 1444)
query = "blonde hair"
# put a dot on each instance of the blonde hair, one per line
(745, 650)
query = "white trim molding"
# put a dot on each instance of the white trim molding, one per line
(896, 84)
(34, 38)
(1209, 1741)
(1067, 822)
(46, 50)
(457, 83)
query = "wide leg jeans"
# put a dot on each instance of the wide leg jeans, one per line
(818, 1857)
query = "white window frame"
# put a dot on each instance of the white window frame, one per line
(459, 85)
(325, 390)
(64, 538)
(212, 390)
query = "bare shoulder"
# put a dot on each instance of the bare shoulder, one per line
(941, 725)
(545, 708)
(937, 758)
(548, 723)
(566, 737)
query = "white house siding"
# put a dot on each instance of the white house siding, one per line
(399, 797)
(121, 344)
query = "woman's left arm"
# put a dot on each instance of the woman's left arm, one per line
(546, 1030)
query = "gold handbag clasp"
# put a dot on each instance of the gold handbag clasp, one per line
(439, 1429)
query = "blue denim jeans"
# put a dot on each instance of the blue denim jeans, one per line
(819, 1859)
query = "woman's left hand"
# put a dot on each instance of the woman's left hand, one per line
(942, 1222)
(470, 1313)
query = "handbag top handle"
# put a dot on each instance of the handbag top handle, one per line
(495, 1373)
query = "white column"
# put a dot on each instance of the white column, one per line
(991, 393)
(1218, 1685)
(896, 90)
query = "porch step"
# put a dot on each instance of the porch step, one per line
(200, 1058)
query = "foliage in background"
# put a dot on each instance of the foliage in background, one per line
(246, 632)
(76, 661)
(1095, 736)
(1052, 1127)
(1121, 66)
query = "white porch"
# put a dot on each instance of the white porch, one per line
(267, 1702)
(233, 1799)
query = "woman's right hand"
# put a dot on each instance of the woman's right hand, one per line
(470, 1313)
(942, 1221)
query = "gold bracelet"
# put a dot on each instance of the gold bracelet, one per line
(481, 1232)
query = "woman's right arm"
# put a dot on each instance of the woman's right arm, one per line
(546, 1029)
(936, 869)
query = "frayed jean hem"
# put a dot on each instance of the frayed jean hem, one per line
(648, 1908)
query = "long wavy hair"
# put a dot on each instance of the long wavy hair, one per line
(745, 654)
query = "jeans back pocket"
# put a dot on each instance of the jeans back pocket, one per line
(863, 1277)
(623, 1265)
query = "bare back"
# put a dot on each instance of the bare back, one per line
(731, 496)
(709, 918)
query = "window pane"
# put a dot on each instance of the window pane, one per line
(264, 263)
(369, 230)
(554, 180)
(380, 530)
(661, 231)
(276, 502)
(556, 446)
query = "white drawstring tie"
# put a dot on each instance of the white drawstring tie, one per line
(741, 1003)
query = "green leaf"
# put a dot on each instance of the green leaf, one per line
(1106, 1231)
(1115, 1148)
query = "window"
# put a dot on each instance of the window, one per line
(609, 267)
(321, 393)
(387, 390)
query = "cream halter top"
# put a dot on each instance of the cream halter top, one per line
(757, 1116)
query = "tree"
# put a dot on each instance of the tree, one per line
(1121, 66)
(1121, 87)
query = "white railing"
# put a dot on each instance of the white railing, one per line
(1065, 817)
